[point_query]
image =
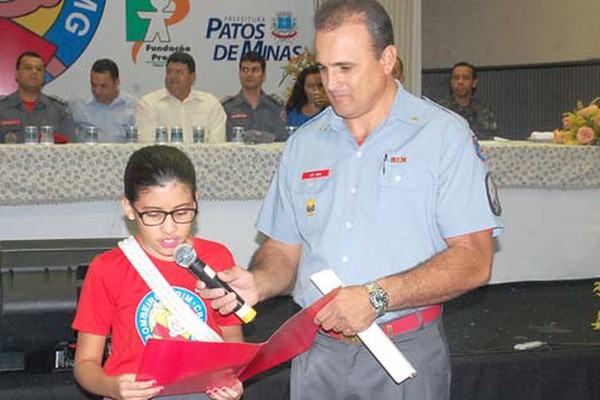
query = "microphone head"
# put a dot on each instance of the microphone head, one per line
(185, 255)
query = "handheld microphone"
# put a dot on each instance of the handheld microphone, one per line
(185, 256)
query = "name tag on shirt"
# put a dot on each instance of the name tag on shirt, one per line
(8, 122)
(323, 173)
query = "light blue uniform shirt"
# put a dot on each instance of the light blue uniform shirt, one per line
(111, 119)
(381, 208)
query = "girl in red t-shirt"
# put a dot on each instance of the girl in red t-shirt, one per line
(160, 199)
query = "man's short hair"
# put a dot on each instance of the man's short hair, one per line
(466, 64)
(335, 13)
(254, 56)
(183, 58)
(106, 65)
(27, 54)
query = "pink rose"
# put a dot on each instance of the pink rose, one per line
(587, 111)
(559, 137)
(585, 135)
(567, 121)
(597, 119)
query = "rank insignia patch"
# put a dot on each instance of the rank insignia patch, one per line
(492, 194)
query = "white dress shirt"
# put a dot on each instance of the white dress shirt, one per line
(160, 108)
(110, 119)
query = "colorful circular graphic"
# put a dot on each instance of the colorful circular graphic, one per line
(154, 320)
(58, 30)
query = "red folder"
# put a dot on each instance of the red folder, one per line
(192, 367)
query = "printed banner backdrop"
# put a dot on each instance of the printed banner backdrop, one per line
(139, 35)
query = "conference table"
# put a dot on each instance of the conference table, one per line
(549, 195)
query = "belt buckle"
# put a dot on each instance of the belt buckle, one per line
(389, 331)
(354, 339)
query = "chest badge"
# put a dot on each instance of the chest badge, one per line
(310, 207)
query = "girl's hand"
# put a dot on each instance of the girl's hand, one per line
(233, 392)
(127, 388)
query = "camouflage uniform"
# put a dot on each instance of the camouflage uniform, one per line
(48, 110)
(268, 116)
(480, 117)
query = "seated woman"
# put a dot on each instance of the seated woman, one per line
(161, 200)
(307, 98)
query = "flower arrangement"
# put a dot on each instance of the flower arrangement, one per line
(296, 64)
(596, 324)
(581, 126)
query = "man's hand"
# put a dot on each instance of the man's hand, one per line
(240, 280)
(349, 313)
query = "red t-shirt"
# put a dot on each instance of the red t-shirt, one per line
(115, 299)
(29, 105)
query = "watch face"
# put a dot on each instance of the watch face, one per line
(379, 299)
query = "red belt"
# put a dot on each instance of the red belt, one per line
(400, 325)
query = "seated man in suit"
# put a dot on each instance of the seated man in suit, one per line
(29, 106)
(109, 108)
(463, 83)
(178, 105)
(252, 108)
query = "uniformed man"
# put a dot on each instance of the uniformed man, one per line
(463, 83)
(251, 108)
(29, 106)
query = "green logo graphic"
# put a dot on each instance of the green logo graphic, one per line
(147, 20)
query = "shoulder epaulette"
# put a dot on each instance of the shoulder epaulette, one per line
(439, 106)
(57, 99)
(276, 98)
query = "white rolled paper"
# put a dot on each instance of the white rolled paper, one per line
(378, 343)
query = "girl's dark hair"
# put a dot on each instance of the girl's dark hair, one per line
(156, 166)
(298, 97)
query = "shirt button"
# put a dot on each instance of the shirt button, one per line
(359, 154)
(353, 190)
(345, 259)
(348, 225)
(397, 178)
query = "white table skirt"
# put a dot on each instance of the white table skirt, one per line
(550, 233)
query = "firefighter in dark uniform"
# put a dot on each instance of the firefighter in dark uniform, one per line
(29, 106)
(251, 108)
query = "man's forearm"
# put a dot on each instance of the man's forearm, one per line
(464, 266)
(274, 267)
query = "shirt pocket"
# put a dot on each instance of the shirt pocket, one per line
(313, 203)
(406, 195)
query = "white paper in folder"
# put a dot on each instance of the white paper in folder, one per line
(382, 348)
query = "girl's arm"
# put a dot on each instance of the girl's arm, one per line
(91, 376)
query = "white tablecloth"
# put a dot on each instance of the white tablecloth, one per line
(549, 196)
(83, 172)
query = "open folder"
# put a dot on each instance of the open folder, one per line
(192, 367)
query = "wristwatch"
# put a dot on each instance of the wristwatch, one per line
(378, 297)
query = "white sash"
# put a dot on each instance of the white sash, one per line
(163, 290)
